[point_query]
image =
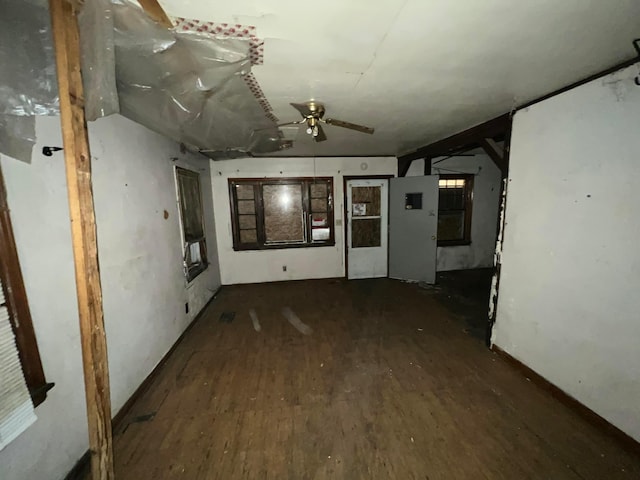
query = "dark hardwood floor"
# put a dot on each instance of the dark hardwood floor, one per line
(387, 385)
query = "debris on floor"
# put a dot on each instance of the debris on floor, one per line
(227, 317)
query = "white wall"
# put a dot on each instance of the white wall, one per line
(141, 269)
(568, 302)
(302, 263)
(484, 221)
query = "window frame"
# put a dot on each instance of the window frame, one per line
(468, 208)
(17, 303)
(191, 272)
(258, 183)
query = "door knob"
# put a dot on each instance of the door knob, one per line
(433, 237)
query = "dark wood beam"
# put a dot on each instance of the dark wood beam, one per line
(427, 166)
(461, 141)
(403, 166)
(83, 236)
(496, 153)
(156, 12)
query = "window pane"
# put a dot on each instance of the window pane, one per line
(246, 206)
(319, 220)
(248, 236)
(369, 196)
(451, 199)
(283, 220)
(190, 205)
(321, 234)
(450, 226)
(319, 190)
(244, 192)
(365, 232)
(318, 204)
(247, 222)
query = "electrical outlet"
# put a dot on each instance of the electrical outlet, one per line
(284, 268)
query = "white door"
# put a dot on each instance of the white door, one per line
(367, 224)
(413, 228)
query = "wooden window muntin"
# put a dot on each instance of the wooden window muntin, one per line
(317, 211)
(463, 208)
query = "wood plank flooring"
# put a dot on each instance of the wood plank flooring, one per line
(387, 386)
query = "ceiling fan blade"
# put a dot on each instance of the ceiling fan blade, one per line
(289, 123)
(321, 137)
(278, 126)
(352, 126)
(303, 108)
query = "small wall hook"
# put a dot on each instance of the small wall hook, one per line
(48, 151)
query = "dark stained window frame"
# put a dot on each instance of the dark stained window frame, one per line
(468, 209)
(258, 183)
(192, 269)
(18, 306)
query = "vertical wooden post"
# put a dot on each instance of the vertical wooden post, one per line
(83, 230)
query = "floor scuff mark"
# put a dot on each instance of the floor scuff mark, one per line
(254, 320)
(294, 320)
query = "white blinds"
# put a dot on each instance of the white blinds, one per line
(16, 407)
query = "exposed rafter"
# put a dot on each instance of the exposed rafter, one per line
(472, 138)
(496, 153)
(156, 12)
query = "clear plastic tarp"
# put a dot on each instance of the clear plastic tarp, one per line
(28, 83)
(185, 85)
(95, 22)
(188, 85)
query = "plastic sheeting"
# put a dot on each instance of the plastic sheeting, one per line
(95, 22)
(185, 85)
(28, 84)
(188, 85)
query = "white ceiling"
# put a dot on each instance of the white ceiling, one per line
(420, 70)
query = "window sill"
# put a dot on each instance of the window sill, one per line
(39, 395)
(454, 243)
(194, 271)
(282, 247)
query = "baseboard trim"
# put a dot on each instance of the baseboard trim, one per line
(118, 419)
(82, 468)
(625, 440)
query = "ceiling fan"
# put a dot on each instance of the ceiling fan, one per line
(313, 115)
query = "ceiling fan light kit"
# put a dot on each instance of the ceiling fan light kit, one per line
(313, 116)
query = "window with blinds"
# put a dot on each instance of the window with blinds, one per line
(23, 385)
(16, 407)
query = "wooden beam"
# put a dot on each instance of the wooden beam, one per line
(84, 239)
(496, 153)
(156, 12)
(427, 165)
(467, 139)
(403, 166)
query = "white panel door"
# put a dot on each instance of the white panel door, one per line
(413, 228)
(367, 228)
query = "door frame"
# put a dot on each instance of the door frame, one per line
(345, 222)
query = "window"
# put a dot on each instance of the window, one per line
(191, 217)
(281, 212)
(454, 210)
(22, 381)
